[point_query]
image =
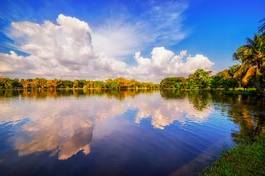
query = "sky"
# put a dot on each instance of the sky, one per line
(144, 40)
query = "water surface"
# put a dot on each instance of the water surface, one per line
(121, 133)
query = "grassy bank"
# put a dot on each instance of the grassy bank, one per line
(246, 159)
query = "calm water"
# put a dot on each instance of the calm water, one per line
(121, 133)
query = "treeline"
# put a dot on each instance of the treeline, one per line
(249, 73)
(202, 79)
(41, 83)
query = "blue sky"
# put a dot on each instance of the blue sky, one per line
(219, 27)
(202, 29)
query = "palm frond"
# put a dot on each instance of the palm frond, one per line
(262, 26)
(251, 42)
(239, 72)
(235, 56)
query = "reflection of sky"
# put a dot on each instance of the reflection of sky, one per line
(65, 126)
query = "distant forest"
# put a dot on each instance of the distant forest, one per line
(41, 83)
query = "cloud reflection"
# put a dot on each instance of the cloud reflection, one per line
(64, 126)
(164, 112)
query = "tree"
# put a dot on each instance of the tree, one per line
(216, 82)
(79, 83)
(52, 84)
(200, 79)
(25, 83)
(173, 83)
(252, 59)
(15, 83)
(224, 79)
(43, 83)
(67, 84)
(262, 26)
(5, 83)
(111, 84)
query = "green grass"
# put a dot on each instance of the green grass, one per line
(241, 160)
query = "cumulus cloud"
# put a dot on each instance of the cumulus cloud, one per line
(164, 62)
(69, 48)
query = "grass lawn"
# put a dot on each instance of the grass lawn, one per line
(242, 160)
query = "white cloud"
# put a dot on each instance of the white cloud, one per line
(164, 63)
(117, 38)
(69, 48)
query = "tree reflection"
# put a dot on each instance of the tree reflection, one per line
(46, 93)
(246, 111)
(173, 93)
(199, 99)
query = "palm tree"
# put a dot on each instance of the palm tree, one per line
(252, 58)
(262, 26)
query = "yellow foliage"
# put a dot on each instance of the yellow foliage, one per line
(239, 72)
(224, 73)
(251, 72)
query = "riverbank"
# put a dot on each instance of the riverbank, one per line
(248, 159)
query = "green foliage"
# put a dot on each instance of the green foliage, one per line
(173, 83)
(200, 79)
(218, 81)
(79, 84)
(7, 83)
(252, 59)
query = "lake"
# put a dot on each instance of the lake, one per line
(121, 133)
